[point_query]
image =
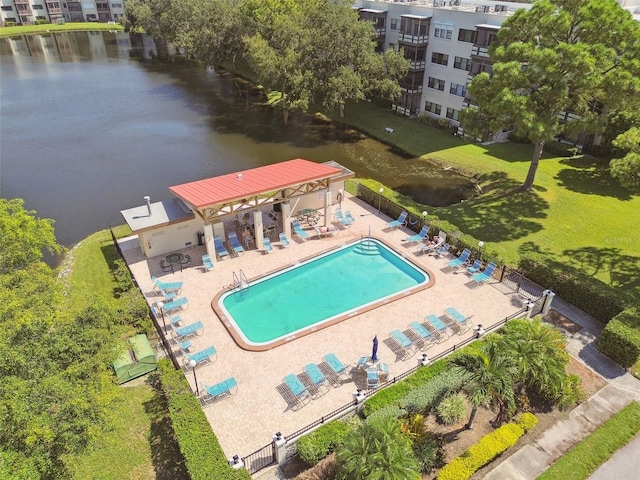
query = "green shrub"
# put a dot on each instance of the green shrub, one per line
(41, 22)
(527, 421)
(485, 451)
(428, 452)
(579, 289)
(422, 399)
(199, 446)
(620, 340)
(321, 442)
(393, 411)
(393, 394)
(451, 409)
(572, 392)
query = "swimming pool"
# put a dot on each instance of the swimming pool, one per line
(316, 293)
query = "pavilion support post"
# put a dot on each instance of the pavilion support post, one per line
(208, 241)
(286, 219)
(327, 208)
(257, 227)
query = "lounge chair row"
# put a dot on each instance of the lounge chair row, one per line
(315, 380)
(345, 219)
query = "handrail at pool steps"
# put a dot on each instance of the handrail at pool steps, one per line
(240, 280)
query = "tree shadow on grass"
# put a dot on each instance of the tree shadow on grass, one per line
(590, 175)
(607, 263)
(167, 460)
(502, 213)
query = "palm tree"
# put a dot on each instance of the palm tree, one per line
(538, 350)
(490, 375)
(377, 451)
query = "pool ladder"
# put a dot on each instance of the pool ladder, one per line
(240, 280)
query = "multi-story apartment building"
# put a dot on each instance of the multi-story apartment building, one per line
(447, 43)
(28, 12)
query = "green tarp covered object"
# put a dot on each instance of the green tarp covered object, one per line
(136, 360)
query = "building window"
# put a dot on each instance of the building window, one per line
(116, 5)
(436, 83)
(7, 8)
(466, 35)
(443, 31)
(53, 5)
(453, 114)
(394, 24)
(433, 107)
(38, 7)
(102, 6)
(462, 63)
(440, 58)
(457, 89)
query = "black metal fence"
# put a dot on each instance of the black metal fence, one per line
(320, 421)
(261, 458)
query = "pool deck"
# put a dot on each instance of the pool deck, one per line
(261, 405)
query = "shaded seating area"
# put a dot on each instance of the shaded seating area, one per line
(405, 347)
(234, 243)
(458, 318)
(399, 222)
(284, 241)
(462, 259)
(486, 274)
(418, 237)
(215, 392)
(221, 251)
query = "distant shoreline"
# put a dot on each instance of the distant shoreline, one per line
(55, 28)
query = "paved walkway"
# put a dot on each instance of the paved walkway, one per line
(531, 460)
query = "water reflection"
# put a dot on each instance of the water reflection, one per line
(93, 121)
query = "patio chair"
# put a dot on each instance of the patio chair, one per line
(167, 286)
(220, 250)
(235, 244)
(459, 318)
(284, 241)
(316, 376)
(407, 348)
(166, 267)
(485, 274)
(219, 390)
(266, 243)
(418, 237)
(168, 294)
(462, 259)
(475, 268)
(444, 249)
(342, 219)
(400, 222)
(337, 367)
(296, 387)
(425, 248)
(208, 355)
(176, 304)
(439, 326)
(383, 371)
(185, 262)
(188, 331)
(297, 229)
(422, 332)
(206, 261)
(373, 380)
(348, 217)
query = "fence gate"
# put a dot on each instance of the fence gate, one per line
(261, 458)
(520, 284)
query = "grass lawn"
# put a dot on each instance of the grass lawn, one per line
(583, 459)
(136, 446)
(576, 213)
(53, 28)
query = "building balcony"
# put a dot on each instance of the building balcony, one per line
(411, 88)
(478, 51)
(413, 39)
(381, 31)
(23, 2)
(417, 65)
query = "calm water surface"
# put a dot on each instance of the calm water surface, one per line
(91, 123)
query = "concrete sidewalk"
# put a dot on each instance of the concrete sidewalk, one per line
(531, 460)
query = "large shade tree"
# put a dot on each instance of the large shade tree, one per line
(626, 168)
(556, 69)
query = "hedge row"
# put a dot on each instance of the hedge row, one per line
(203, 455)
(321, 442)
(485, 451)
(620, 340)
(589, 294)
(393, 394)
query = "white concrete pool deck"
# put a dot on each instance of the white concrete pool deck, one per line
(248, 419)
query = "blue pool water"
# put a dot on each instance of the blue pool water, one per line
(314, 292)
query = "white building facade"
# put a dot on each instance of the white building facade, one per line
(30, 12)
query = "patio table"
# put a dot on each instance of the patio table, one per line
(175, 259)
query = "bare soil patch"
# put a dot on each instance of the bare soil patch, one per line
(556, 318)
(459, 439)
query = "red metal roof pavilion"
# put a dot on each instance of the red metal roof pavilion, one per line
(220, 196)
